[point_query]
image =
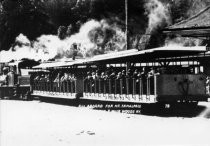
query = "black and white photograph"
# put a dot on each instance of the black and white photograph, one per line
(104, 73)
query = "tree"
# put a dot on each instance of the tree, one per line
(22, 16)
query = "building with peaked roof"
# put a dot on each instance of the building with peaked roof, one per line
(195, 26)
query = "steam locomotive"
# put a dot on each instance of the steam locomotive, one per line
(15, 79)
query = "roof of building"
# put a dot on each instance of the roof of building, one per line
(202, 19)
(197, 25)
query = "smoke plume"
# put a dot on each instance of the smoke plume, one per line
(94, 37)
(158, 15)
(158, 18)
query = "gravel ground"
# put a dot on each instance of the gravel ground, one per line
(34, 123)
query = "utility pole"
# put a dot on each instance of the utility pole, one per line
(128, 64)
(126, 23)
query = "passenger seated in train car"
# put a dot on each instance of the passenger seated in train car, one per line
(151, 73)
(65, 77)
(136, 79)
(135, 74)
(112, 80)
(123, 73)
(106, 74)
(93, 75)
(94, 86)
(4, 77)
(56, 82)
(109, 71)
(57, 78)
(103, 75)
(47, 77)
(69, 77)
(106, 81)
(123, 78)
(41, 81)
(36, 81)
(48, 82)
(88, 82)
(96, 81)
(73, 77)
(65, 81)
(119, 76)
(113, 75)
(118, 79)
(42, 77)
(98, 75)
(37, 77)
(129, 81)
(129, 73)
(150, 80)
(143, 77)
(88, 76)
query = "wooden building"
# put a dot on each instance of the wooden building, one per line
(197, 26)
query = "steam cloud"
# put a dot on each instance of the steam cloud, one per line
(158, 15)
(93, 38)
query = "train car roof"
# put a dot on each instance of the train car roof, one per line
(150, 54)
(47, 65)
(132, 55)
(59, 64)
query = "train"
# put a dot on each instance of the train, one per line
(160, 76)
(15, 79)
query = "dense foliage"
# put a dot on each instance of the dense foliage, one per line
(36, 17)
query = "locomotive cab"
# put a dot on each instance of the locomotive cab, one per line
(15, 80)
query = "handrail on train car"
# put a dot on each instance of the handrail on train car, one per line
(56, 87)
(140, 86)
